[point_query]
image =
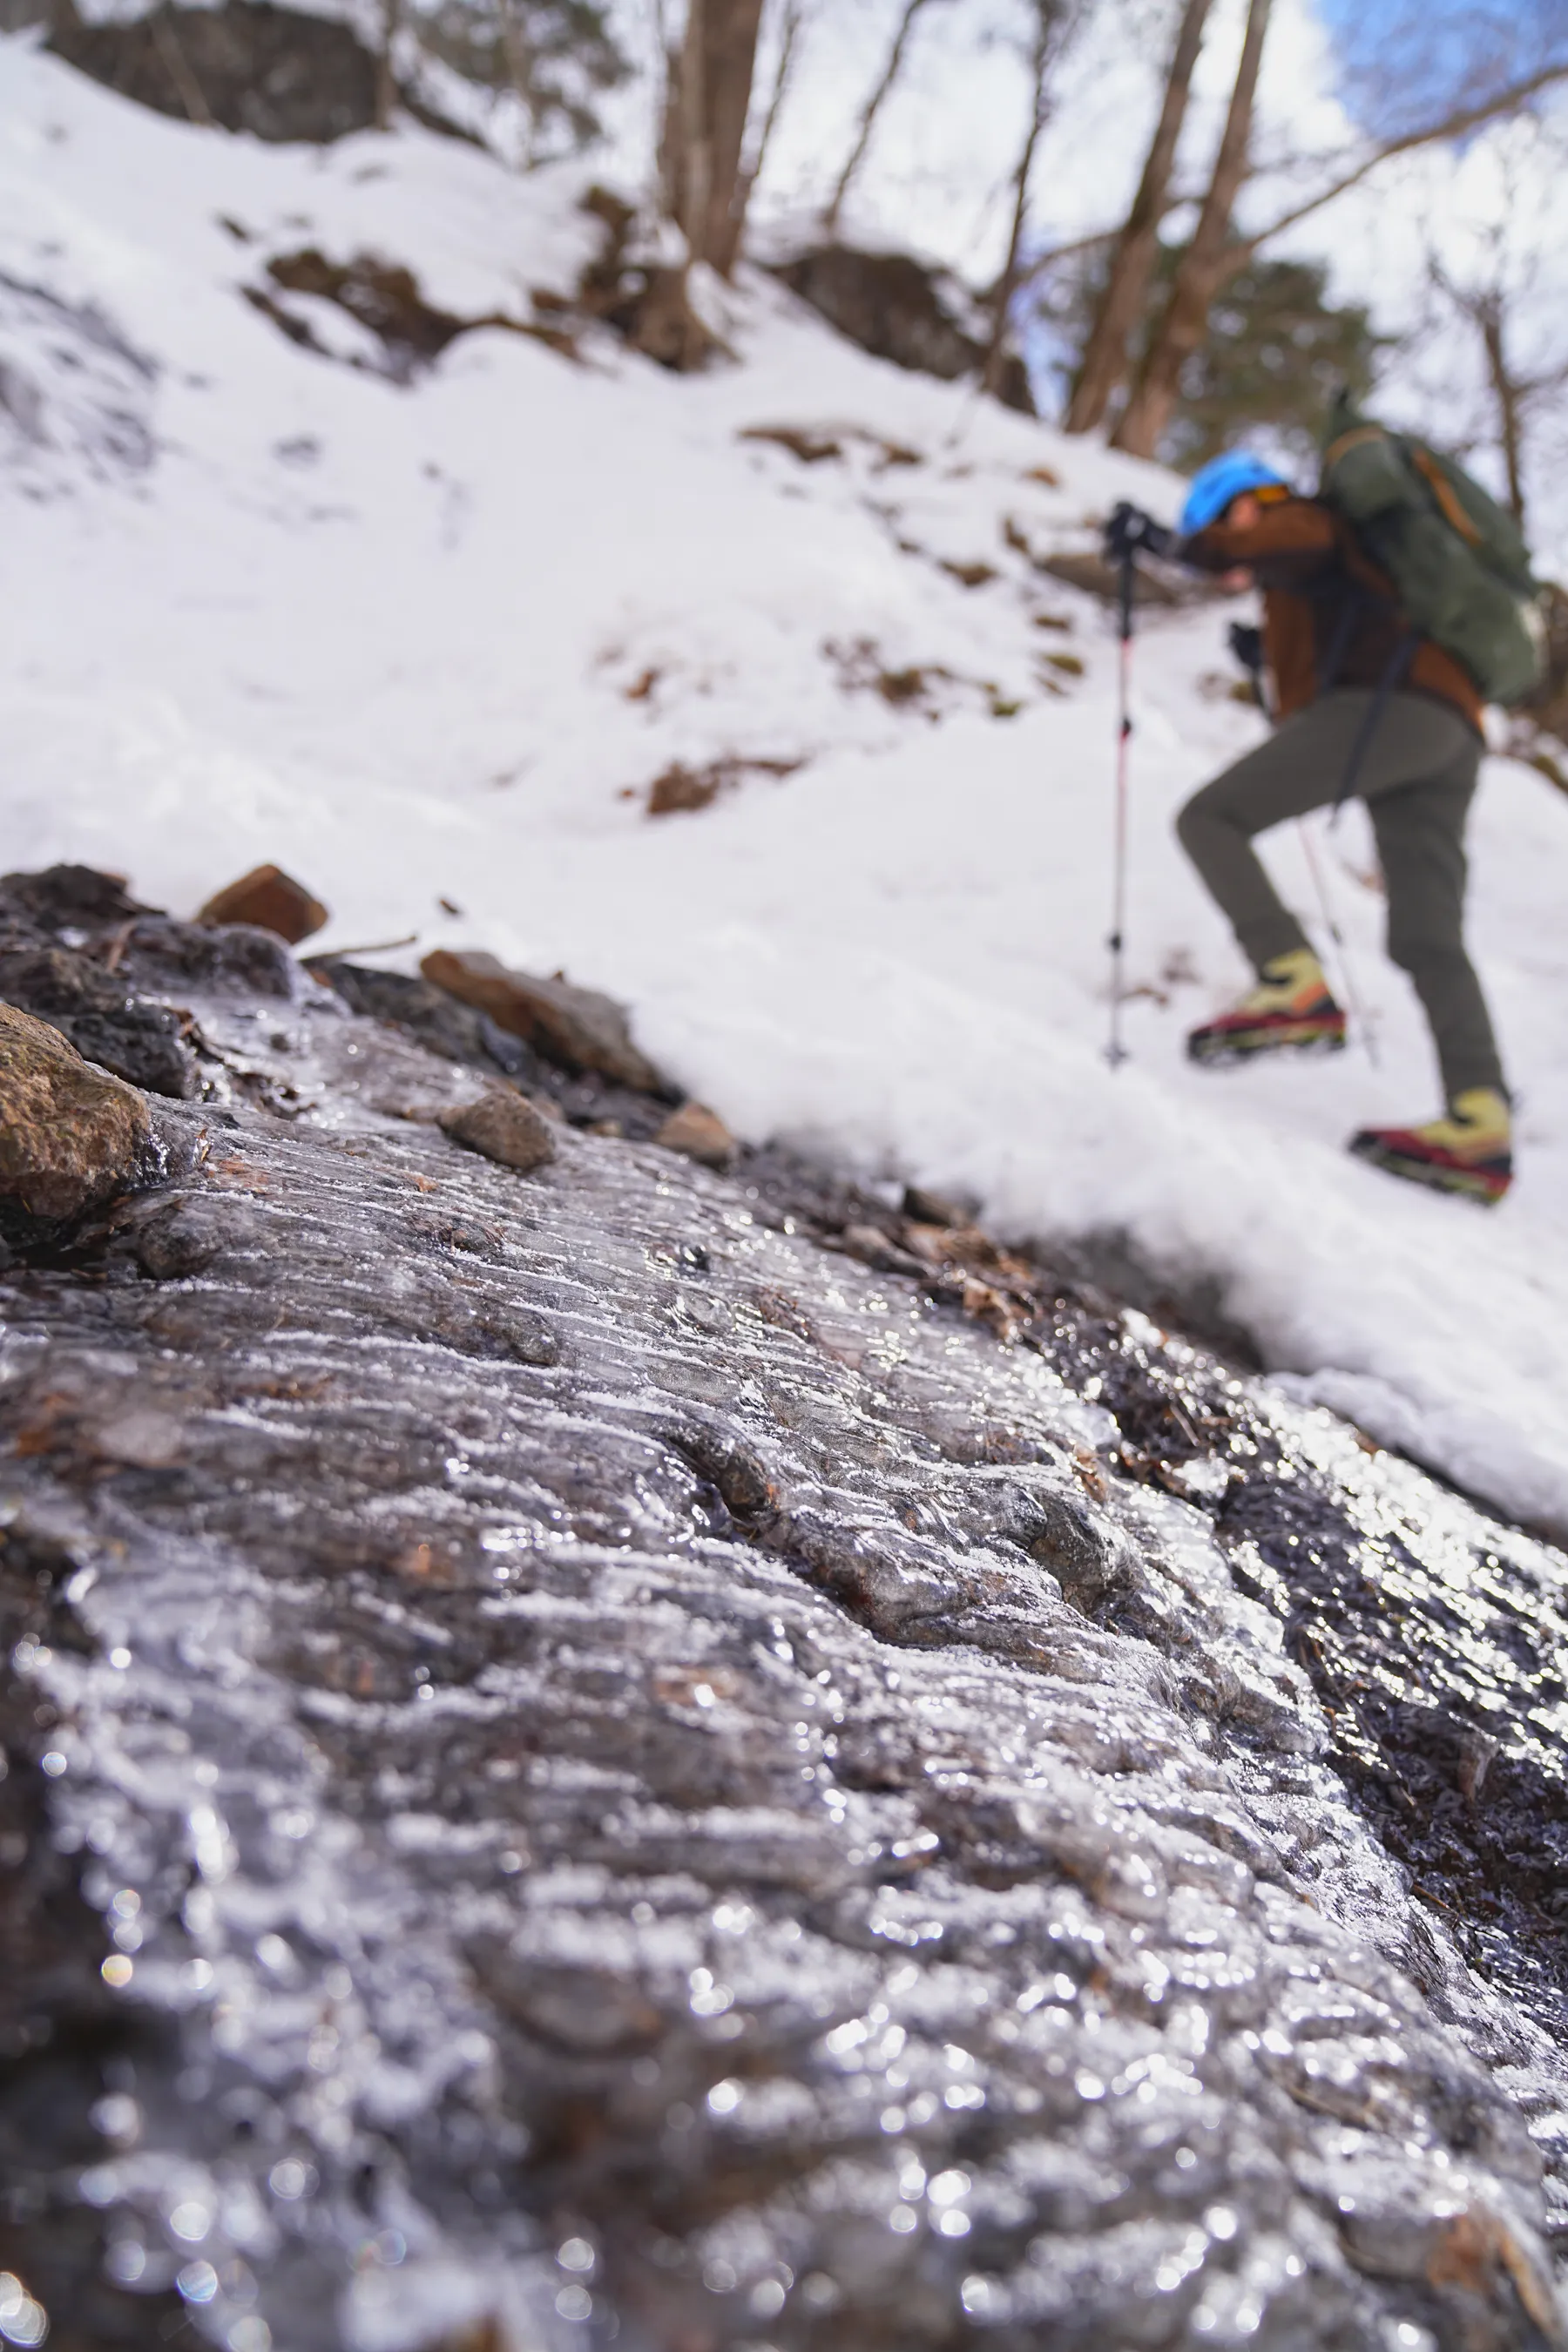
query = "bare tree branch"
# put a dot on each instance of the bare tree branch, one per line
(1056, 21)
(1507, 101)
(794, 18)
(873, 107)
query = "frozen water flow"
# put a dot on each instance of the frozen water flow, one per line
(742, 1815)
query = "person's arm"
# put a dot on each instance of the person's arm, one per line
(1282, 543)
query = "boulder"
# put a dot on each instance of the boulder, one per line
(901, 310)
(271, 900)
(504, 1126)
(276, 72)
(69, 1134)
(574, 1026)
(698, 1133)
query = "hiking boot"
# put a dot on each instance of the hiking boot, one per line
(1468, 1152)
(1289, 1008)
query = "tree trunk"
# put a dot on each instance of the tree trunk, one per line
(711, 98)
(1104, 364)
(386, 64)
(856, 155)
(1212, 257)
(1053, 24)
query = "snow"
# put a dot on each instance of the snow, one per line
(437, 640)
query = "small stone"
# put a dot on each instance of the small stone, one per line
(184, 1235)
(504, 1126)
(270, 899)
(524, 1337)
(936, 1208)
(69, 1134)
(699, 1134)
(575, 1026)
(873, 1248)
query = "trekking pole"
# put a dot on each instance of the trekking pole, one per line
(1115, 1051)
(1341, 945)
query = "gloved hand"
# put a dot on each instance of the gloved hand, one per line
(1247, 644)
(1132, 532)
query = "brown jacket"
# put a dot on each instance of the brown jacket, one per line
(1329, 615)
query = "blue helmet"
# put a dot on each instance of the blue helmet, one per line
(1221, 480)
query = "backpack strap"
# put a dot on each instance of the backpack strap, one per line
(1443, 492)
(1353, 439)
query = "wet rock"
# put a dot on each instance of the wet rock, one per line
(513, 1331)
(942, 1210)
(505, 1127)
(575, 1026)
(70, 1136)
(231, 959)
(173, 1238)
(698, 1133)
(270, 899)
(95, 1010)
(433, 1015)
(872, 1246)
(69, 895)
(600, 1742)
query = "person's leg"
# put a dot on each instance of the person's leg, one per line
(1303, 766)
(1420, 831)
(1284, 777)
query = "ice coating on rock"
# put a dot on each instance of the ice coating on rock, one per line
(642, 1782)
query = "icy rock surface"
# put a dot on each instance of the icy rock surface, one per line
(585, 1771)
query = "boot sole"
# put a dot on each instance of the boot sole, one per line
(1461, 1184)
(1215, 1051)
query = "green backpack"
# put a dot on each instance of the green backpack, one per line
(1458, 561)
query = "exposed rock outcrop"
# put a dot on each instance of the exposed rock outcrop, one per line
(899, 309)
(279, 73)
(404, 331)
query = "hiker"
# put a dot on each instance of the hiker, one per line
(1362, 704)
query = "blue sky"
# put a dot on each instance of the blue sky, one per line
(1406, 59)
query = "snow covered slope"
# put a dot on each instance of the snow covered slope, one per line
(434, 642)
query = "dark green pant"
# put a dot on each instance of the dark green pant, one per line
(1418, 778)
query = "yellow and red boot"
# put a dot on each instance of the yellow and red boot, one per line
(1290, 1010)
(1470, 1151)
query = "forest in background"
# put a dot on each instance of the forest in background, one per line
(1188, 219)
